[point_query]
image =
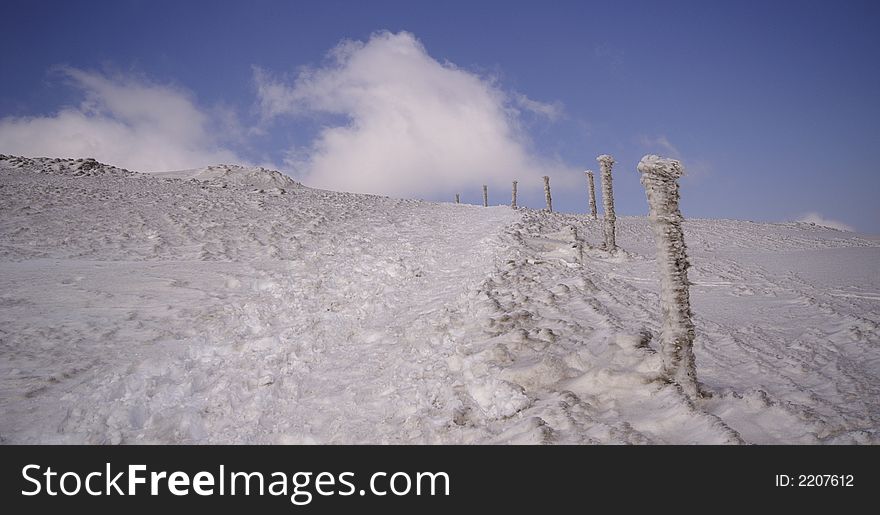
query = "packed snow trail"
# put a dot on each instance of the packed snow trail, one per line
(233, 305)
(142, 308)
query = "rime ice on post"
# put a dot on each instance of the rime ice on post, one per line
(458, 198)
(605, 164)
(485, 196)
(660, 179)
(592, 194)
(547, 193)
(513, 197)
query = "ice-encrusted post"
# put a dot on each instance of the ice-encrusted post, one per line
(547, 198)
(513, 197)
(485, 196)
(605, 164)
(660, 176)
(592, 194)
(458, 198)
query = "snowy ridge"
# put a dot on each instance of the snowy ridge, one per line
(80, 167)
(224, 176)
(206, 306)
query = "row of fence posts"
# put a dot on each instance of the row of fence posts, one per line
(659, 176)
(606, 162)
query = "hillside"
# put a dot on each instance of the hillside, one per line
(234, 305)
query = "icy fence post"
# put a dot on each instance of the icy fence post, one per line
(513, 198)
(660, 176)
(458, 198)
(485, 196)
(605, 164)
(547, 193)
(592, 194)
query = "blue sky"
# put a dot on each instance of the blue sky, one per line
(772, 106)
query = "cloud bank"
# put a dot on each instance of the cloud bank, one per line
(818, 219)
(411, 124)
(127, 122)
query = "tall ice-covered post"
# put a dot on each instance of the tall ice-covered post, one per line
(513, 196)
(592, 194)
(605, 164)
(660, 176)
(547, 198)
(485, 196)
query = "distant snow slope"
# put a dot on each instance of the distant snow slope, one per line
(234, 305)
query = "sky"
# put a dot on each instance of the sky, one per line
(771, 106)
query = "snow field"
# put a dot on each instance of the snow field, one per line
(234, 305)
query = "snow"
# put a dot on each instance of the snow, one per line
(234, 305)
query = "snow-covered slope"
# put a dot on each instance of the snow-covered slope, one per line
(233, 305)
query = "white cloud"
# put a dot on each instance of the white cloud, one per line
(694, 169)
(818, 219)
(127, 122)
(552, 111)
(413, 125)
(661, 143)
